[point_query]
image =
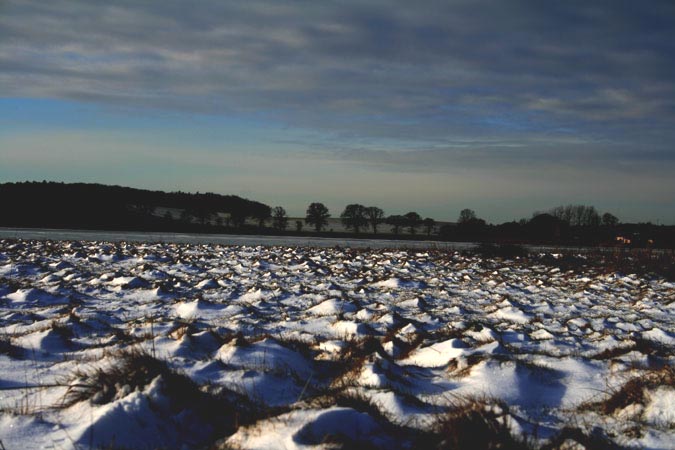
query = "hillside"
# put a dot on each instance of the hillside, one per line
(97, 206)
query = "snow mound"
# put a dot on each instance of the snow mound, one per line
(658, 335)
(541, 335)
(128, 282)
(311, 428)
(265, 355)
(436, 355)
(35, 297)
(331, 307)
(345, 423)
(207, 284)
(347, 328)
(46, 342)
(391, 283)
(196, 309)
(660, 410)
(511, 314)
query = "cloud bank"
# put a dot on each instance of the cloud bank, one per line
(397, 85)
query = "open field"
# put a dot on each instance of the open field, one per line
(224, 239)
(169, 345)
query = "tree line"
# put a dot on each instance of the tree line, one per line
(357, 217)
(95, 206)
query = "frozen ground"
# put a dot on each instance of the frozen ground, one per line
(132, 345)
(223, 239)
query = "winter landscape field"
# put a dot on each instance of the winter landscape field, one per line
(138, 345)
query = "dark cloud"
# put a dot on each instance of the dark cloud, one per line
(425, 74)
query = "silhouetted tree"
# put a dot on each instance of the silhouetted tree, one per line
(354, 217)
(279, 218)
(317, 215)
(94, 206)
(577, 215)
(466, 215)
(168, 215)
(546, 227)
(413, 220)
(375, 216)
(470, 226)
(609, 220)
(202, 209)
(396, 222)
(261, 215)
(298, 225)
(429, 225)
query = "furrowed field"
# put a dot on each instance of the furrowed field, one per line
(130, 345)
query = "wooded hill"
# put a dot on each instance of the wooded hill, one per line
(97, 206)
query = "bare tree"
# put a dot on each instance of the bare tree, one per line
(279, 218)
(375, 216)
(317, 215)
(413, 221)
(396, 222)
(429, 225)
(577, 215)
(354, 217)
(261, 216)
(609, 220)
(466, 215)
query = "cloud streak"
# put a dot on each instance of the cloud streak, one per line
(391, 61)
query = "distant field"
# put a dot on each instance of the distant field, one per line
(224, 239)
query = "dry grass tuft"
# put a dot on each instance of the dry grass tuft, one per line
(633, 392)
(133, 371)
(473, 424)
(345, 369)
(136, 369)
(217, 407)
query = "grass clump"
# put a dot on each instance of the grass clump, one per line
(633, 391)
(133, 371)
(183, 402)
(473, 424)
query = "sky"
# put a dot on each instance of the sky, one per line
(504, 107)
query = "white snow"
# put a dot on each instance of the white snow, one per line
(405, 333)
(436, 355)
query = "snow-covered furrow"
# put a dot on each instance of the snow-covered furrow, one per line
(167, 345)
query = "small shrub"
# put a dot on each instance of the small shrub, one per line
(221, 409)
(473, 424)
(633, 391)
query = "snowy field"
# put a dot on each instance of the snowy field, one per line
(223, 239)
(168, 345)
